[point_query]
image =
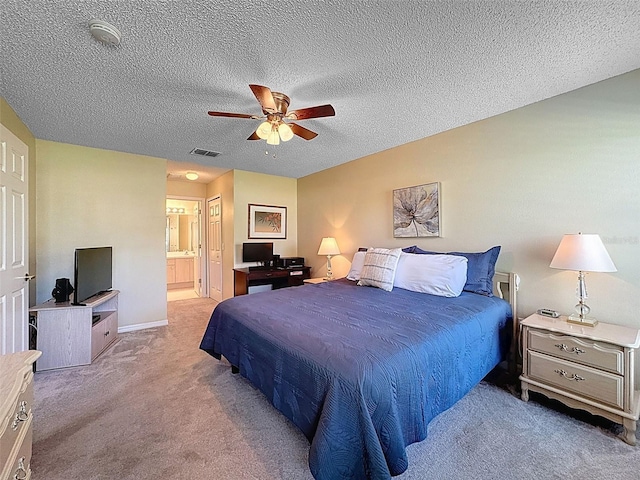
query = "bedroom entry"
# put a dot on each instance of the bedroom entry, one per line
(14, 243)
(184, 248)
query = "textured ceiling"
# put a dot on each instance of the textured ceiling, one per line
(395, 71)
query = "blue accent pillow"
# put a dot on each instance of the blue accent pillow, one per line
(481, 267)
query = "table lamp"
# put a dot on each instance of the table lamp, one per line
(329, 247)
(582, 253)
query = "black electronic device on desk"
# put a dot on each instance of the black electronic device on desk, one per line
(292, 262)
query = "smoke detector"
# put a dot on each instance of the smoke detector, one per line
(104, 32)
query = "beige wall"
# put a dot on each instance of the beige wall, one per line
(261, 189)
(223, 186)
(10, 120)
(186, 189)
(520, 180)
(91, 197)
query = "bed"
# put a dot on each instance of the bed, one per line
(362, 371)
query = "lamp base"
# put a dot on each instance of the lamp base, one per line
(584, 321)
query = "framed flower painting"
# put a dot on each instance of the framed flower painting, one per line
(416, 211)
(266, 221)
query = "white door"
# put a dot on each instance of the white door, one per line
(214, 245)
(14, 243)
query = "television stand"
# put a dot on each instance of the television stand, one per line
(70, 335)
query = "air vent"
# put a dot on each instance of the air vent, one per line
(204, 153)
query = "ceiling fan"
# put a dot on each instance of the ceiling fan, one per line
(274, 108)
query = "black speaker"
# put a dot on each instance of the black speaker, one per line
(62, 290)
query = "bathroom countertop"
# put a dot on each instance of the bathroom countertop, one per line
(180, 254)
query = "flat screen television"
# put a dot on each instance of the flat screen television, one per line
(92, 272)
(257, 252)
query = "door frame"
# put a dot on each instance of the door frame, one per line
(204, 285)
(206, 220)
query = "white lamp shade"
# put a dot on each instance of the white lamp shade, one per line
(273, 138)
(328, 246)
(582, 252)
(285, 132)
(263, 130)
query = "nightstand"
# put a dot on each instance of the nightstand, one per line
(590, 368)
(315, 280)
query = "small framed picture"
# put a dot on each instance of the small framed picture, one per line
(267, 221)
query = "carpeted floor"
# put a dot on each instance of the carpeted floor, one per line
(156, 407)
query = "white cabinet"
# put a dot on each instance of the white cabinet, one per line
(70, 335)
(16, 416)
(590, 368)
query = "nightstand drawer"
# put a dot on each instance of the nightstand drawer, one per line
(603, 356)
(18, 420)
(585, 381)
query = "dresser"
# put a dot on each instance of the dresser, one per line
(16, 417)
(589, 368)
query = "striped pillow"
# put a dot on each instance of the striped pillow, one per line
(379, 268)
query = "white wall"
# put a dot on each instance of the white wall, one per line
(520, 180)
(89, 197)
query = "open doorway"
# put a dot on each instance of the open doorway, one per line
(183, 245)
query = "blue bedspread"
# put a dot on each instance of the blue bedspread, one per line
(359, 370)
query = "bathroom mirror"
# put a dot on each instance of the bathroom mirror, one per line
(181, 233)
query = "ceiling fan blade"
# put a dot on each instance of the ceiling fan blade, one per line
(302, 132)
(254, 136)
(232, 115)
(312, 112)
(265, 97)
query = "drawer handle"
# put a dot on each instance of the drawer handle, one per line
(21, 472)
(565, 348)
(21, 415)
(573, 376)
(107, 333)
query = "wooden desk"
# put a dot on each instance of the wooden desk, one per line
(243, 278)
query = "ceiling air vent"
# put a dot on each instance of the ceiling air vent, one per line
(204, 153)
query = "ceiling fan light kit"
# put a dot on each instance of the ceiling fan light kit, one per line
(273, 128)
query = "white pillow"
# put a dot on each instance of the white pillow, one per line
(443, 275)
(379, 268)
(356, 266)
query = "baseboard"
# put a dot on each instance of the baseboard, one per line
(142, 326)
